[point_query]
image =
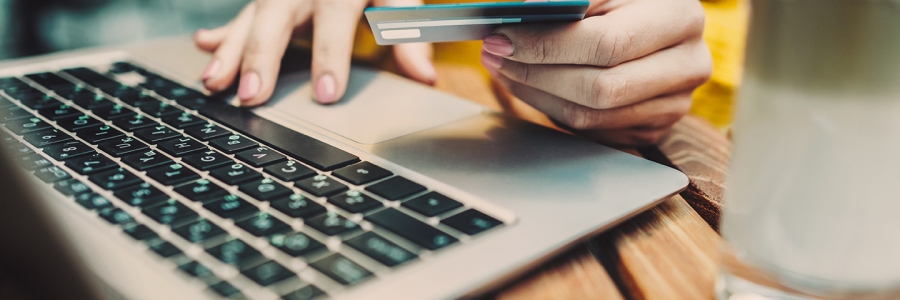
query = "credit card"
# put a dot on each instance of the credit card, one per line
(465, 21)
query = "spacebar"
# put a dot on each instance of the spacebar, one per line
(302, 147)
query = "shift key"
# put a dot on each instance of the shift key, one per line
(414, 230)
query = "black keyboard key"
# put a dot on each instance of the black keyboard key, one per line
(396, 188)
(115, 216)
(115, 89)
(231, 207)
(341, 269)
(265, 189)
(175, 90)
(165, 249)
(62, 111)
(297, 206)
(18, 149)
(121, 146)
(181, 146)
(206, 131)
(46, 138)
(143, 195)
(361, 173)
(170, 212)
(355, 202)
(92, 201)
(90, 164)
(194, 101)
(39, 101)
(235, 174)
(156, 134)
(92, 101)
(305, 293)
(380, 249)
(414, 230)
(134, 122)
(139, 232)
(295, 244)
(207, 160)
(235, 252)
(14, 113)
(146, 160)
(199, 231)
(67, 150)
(260, 156)
(471, 222)
(48, 79)
(431, 204)
(304, 148)
(71, 187)
(268, 273)
(7, 82)
(332, 223)
(156, 82)
(115, 179)
(201, 191)
(98, 134)
(263, 224)
(196, 269)
(161, 110)
(233, 143)
(172, 174)
(121, 67)
(139, 100)
(289, 170)
(78, 123)
(321, 186)
(33, 162)
(183, 120)
(89, 76)
(113, 112)
(52, 174)
(225, 289)
(28, 125)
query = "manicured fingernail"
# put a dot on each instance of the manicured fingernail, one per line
(498, 45)
(212, 69)
(326, 89)
(249, 86)
(491, 62)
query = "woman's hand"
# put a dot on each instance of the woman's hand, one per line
(624, 75)
(253, 43)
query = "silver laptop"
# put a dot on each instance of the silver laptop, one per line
(152, 189)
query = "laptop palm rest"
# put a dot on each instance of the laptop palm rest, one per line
(376, 107)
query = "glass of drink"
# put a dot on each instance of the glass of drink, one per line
(813, 202)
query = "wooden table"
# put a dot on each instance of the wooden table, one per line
(668, 252)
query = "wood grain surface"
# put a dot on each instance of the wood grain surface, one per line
(668, 252)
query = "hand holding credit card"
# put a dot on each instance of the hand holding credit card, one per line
(460, 22)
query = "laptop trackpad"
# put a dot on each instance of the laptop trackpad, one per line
(377, 106)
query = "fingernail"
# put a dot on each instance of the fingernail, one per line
(249, 86)
(326, 89)
(498, 45)
(212, 69)
(491, 62)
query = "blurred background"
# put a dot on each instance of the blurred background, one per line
(30, 27)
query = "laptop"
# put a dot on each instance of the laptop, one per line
(127, 180)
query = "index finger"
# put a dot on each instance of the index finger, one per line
(334, 27)
(624, 34)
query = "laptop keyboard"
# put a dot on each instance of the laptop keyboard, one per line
(184, 171)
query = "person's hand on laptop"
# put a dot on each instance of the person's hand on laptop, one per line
(623, 75)
(253, 44)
